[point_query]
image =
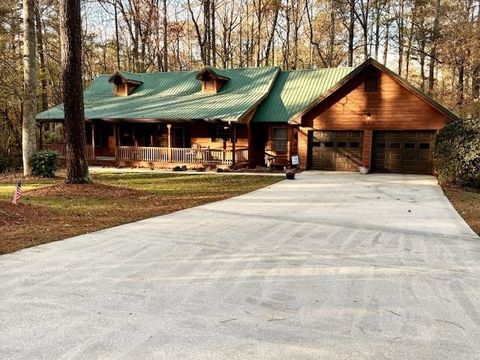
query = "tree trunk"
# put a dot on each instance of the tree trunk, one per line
(213, 38)
(271, 36)
(117, 43)
(433, 53)
(351, 32)
(74, 123)
(165, 37)
(29, 78)
(41, 56)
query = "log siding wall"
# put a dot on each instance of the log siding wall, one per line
(391, 107)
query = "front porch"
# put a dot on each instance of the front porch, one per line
(163, 144)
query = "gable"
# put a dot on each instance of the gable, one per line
(392, 106)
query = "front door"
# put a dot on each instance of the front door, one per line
(179, 137)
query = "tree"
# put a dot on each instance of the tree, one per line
(74, 118)
(29, 82)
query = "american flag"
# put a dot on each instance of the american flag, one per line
(18, 192)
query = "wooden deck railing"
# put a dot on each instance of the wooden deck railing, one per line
(181, 155)
(160, 154)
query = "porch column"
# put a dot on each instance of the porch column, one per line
(169, 142)
(93, 141)
(251, 146)
(40, 140)
(117, 139)
(234, 138)
(134, 138)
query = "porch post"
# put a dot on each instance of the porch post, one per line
(40, 140)
(115, 135)
(93, 140)
(234, 138)
(169, 142)
(135, 143)
(251, 146)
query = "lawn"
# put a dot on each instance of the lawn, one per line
(49, 210)
(467, 203)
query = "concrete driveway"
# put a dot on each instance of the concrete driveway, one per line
(329, 266)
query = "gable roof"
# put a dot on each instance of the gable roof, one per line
(128, 76)
(284, 96)
(356, 71)
(295, 90)
(214, 72)
(175, 96)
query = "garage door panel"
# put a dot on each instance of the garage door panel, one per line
(336, 150)
(403, 151)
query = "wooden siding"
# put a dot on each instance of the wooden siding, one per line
(205, 135)
(392, 107)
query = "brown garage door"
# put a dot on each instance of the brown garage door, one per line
(336, 150)
(409, 152)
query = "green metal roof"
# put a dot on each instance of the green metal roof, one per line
(295, 90)
(175, 96)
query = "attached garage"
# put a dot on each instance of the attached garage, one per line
(372, 118)
(409, 152)
(336, 150)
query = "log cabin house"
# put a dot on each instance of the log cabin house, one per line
(333, 119)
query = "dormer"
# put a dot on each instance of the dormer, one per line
(212, 80)
(125, 82)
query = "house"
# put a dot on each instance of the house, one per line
(333, 119)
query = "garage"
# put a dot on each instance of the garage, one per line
(409, 152)
(336, 150)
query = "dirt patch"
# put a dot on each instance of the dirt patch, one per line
(95, 190)
(21, 225)
(11, 214)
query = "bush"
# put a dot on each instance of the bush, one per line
(4, 164)
(44, 163)
(53, 136)
(457, 154)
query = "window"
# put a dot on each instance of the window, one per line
(371, 83)
(381, 145)
(328, 144)
(355, 145)
(279, 139)
(409, 145)
(424, 146)
(341, 144)
(395, 146)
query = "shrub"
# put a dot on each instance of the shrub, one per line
(53, 136)
(457, 153)
(4, 164)
(44, 163)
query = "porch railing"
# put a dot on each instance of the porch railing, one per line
(181, 155)
(161, 154)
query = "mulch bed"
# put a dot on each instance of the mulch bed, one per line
(18, 214)
(95, 190)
